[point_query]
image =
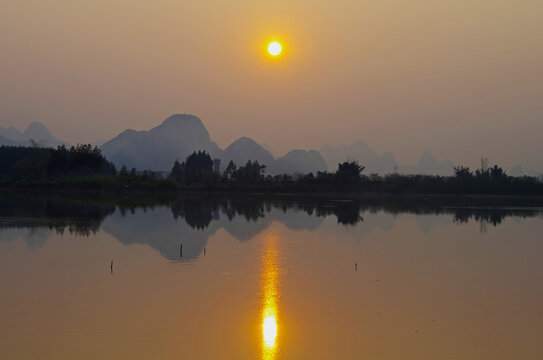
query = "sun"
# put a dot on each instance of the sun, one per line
(274, 48)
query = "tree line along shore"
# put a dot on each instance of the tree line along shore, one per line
(84, 168)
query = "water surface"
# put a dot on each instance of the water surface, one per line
(251, 278)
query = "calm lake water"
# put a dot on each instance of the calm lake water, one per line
(251, 278)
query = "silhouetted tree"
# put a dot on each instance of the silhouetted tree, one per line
(38, 162)
(348, 173)
(251, 173)
(177, 172)
(199, 161)
(497, 172)
(124, 171)
(230, 169)
(197, 169)
(462, 172)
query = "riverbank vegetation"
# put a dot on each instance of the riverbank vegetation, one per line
(80, 167)
(197, 172)
(83, 167)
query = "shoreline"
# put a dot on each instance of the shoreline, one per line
(334, 196)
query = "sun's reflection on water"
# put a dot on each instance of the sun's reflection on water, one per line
(270, 297)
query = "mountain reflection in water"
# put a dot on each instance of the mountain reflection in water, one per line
(190, 221)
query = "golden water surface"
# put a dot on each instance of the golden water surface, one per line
(423, 287)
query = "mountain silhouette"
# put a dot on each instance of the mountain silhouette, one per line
(244, 149)
(361, 152)
(180, 135)
(429, 165)
(4, 141)
(160, 230)
(12, 134)
(37, 131)
(295, 161)
(156, 149)
(385, 163)
(300, 161)
(35, 134)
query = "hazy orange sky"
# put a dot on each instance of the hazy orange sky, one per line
(461, 78)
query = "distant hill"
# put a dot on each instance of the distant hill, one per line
(180, 135)
(35, 134)
(4, 141)
(295, 161)
(361, 152)
(519, 171)
(300, 161)
(429, 165)
(269, 148)
(156, 149)
(12, 134)
(244, 149)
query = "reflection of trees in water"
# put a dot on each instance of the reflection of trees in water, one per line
(486, 216)
(347, 212)
(81, 218)
(75, 226)
(492, 217)
(250, 209)
(198, 212)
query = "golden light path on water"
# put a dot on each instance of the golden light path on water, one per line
(270, 295)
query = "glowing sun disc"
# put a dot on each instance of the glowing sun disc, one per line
(274, 48)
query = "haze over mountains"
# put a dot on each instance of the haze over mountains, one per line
(384, 163)
(181, 134)
(35, 134)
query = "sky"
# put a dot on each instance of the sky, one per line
(461, 78)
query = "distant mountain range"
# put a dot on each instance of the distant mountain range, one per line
(519, 171)
(361, 152)
(35, 134)
(4, 141)
(181, 134)
(384, 163)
